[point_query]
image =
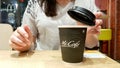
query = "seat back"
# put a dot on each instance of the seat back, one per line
(5, 32)
(105, 34)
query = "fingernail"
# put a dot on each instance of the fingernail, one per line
(26, 35)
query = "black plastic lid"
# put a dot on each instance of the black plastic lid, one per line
(82, 15)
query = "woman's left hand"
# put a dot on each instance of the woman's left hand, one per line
(93, 32)
(98, 22)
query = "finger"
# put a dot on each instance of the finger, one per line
(98, 14)
(96, 28)
(27, 29)
(18, 46)
(15, 46)
(22, 32)
(98, 23)
(20, 37)
(17, 41)
(23, 39)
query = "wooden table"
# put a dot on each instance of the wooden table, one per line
(51, 59)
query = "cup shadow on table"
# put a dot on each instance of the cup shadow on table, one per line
(22, 54)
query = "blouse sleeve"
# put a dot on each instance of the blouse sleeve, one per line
(29, 16)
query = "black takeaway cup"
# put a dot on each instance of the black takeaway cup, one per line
(72, 38)
(82, 15)
(72, 41)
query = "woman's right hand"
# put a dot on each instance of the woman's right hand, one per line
(21, 39)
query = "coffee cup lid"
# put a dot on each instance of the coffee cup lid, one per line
(82, 15)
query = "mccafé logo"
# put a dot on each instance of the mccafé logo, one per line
(71, 44)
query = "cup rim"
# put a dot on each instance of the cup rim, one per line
(72, 26)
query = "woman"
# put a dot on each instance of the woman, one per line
(40, 25)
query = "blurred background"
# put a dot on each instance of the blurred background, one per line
(12, 12)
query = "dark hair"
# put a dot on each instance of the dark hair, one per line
(49, 7)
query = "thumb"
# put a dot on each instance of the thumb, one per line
(98, 22)
(27, 29)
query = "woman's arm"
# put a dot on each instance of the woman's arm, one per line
(23, 37)
(93, 32)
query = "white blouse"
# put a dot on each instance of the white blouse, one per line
(46, 28)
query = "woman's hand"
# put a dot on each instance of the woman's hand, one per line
(21, 39)
(98, 22)
(93, 32)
